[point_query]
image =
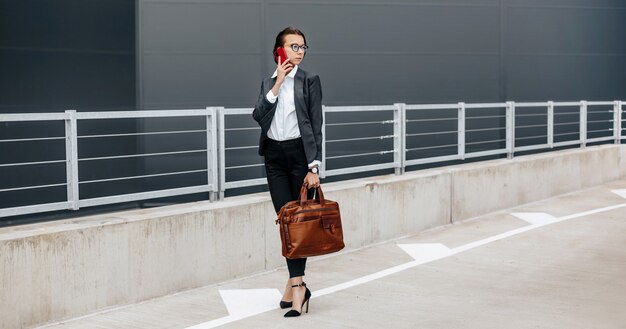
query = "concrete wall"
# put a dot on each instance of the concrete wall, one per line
(66, 268)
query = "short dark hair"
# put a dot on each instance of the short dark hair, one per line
(280, 38)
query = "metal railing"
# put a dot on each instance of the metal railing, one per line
(72, 159)
(357, 139)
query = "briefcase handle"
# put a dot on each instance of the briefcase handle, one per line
(304, 197)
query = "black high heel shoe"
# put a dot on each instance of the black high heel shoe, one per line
(307, 296)
(284, 304)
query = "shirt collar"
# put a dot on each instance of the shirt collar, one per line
(291, 74)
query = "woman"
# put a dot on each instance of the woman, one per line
(289, 111)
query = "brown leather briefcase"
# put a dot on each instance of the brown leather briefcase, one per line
(310, 227)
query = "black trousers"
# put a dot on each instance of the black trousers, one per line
(286, 166)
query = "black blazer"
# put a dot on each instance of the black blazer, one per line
(308, 101)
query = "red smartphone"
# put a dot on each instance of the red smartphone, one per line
(280, 52)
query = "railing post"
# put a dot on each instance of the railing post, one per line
(510, 130)
(551, 124)
(71, 157)
(461, 131)
(617, 121)
(583, 124)
(212, 152)
(323, 166)
(399, 129)
(221, 152)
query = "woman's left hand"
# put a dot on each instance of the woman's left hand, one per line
(312, 180)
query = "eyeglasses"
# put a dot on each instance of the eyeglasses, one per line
(296, 47)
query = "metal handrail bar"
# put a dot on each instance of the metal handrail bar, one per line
(531, 137)
(531, 126)
(532, 104)
(599, 103)
(567, 113)
(599, 130)
(485, 117)
(599, 121)
(246, 166)
(141, 155)
(531, 115)
(239, 129)
(143, 134)
(376, 108)
(143, 195)
(360, 154)
(141, 176)
(566, 123)
(433, 133)
(138, 114)
(486, 142)
(32, 187)
(31, 163)
(31, 139)
(245, 183)
(430, 147)
(485, 153)
(417, 107)
(484, 105)
(428, 120)
(240, 147)
(484, 129)
(565, 134)
(359, 123)
(531, 147)
(566, 103)
(359, 139)
(33, 117)
(238, 111)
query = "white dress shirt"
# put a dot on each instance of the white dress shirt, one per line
(285, 122)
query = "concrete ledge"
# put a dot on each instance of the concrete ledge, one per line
(484, 187)
(67, 268)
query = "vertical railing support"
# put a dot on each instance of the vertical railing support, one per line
(551, 124)
(399, 129)
(510, 130)
(617, 121)
(221, 159)
(461, 131)
(212, 152)
(71, 157)
(583, 124)
(323, 165)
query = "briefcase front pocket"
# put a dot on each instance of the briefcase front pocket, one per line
(315, 237)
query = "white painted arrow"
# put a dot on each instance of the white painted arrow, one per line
(535, 218)
(426, 252)
(244, 302)
(621, 193)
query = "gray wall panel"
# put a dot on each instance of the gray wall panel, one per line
(393, 28)
(415, 78)
(376, 52)
(201, 27)
(199, 80)
(565, 29)
(559, 77)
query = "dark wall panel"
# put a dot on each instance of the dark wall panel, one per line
(565, 50)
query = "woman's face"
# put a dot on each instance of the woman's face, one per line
(295, 56)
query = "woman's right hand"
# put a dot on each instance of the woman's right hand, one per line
(283, 69)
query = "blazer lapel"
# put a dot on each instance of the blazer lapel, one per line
(298, 97)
